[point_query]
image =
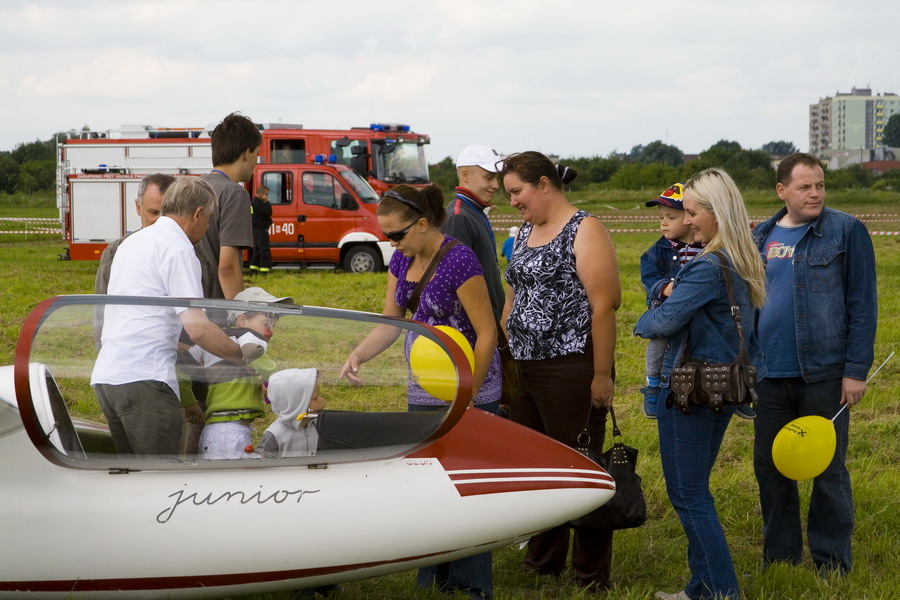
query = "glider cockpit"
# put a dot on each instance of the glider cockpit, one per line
(59, 346)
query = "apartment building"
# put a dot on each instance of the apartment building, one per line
(849, 126)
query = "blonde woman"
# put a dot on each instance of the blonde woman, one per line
(698, 313)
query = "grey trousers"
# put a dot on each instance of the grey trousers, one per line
(144, 417)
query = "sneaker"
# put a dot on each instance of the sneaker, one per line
(676, 596)
(649, 405)
(745, 411)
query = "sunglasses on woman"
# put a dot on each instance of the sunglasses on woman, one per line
(397, 236)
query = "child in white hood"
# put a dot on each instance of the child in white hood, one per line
(294, 393)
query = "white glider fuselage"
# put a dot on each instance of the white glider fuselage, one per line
(190, 532)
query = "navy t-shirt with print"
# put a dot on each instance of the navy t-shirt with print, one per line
(777, 324)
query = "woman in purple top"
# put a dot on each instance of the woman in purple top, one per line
(456, 295)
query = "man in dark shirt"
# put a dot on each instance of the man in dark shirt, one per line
(467, 219)
(235, 148)
(261, 256)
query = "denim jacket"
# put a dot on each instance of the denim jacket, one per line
(835, 295)
(699, 303)
(659, 265)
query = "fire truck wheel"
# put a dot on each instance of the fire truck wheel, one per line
(362, 259)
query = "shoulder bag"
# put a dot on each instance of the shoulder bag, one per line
(429, 271)
(627, 508)
(715, 384)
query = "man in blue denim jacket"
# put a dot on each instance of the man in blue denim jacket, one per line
(817, 331)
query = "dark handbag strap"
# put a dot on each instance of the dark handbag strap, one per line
(502, 339)
(742, 356)
(584, 438)
(432, 267)
(735, 309)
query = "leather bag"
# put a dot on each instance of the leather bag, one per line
(508, 366)
(627, 508)
(715, 384)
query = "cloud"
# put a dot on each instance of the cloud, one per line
(573, 77)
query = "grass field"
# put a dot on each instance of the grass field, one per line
(653, 556)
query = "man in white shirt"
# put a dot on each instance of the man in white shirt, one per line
(134, 376)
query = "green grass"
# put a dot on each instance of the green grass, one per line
(653, 556)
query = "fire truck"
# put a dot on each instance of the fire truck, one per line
(322, 186)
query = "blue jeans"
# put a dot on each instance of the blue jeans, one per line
(656, 350)
(472, 574)
(830, 519)
(688, 446)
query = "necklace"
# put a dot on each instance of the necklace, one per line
(434, 248)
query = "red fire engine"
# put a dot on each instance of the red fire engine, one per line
(321, 185)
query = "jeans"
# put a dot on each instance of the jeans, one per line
(688, 446)
(472, 574)
(830, 518)
(656, 350)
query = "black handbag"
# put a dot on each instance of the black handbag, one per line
(509, 369)
(715, 384)
(627, 508)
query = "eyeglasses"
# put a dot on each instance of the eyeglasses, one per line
(397, 236)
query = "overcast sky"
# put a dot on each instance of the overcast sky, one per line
(568, 77)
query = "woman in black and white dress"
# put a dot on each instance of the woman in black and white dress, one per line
(560, 316)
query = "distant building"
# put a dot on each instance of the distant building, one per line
(847, 128)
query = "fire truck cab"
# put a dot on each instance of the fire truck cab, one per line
(323, 213)
(320, 182)
(384, 153)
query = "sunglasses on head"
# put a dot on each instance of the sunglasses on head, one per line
(404, 201)
(397, 236)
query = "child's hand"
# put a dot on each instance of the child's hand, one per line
(667, 290)
(193, 414)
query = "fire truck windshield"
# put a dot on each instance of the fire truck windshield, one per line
(360, 186)
(404, 163)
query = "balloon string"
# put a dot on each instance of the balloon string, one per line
(839, 412)
(890, 356)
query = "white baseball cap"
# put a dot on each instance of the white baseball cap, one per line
(479, 155)
(256, 294)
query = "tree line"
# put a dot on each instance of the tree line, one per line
(31, 167)
(657, 165)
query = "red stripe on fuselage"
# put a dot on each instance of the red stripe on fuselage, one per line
(137, 584)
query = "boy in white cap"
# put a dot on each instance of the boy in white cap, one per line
(235, 396)
(467, 214)
(294, 393)
(467, 221)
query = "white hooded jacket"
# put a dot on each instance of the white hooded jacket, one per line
(290, 392)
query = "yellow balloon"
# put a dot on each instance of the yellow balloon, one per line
(432, 366)
(804, 447)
